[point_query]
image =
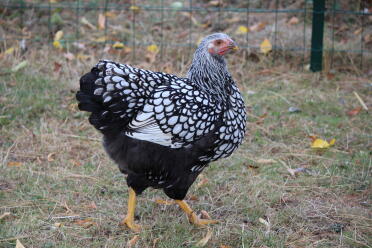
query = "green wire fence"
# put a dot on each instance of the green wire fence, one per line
(323, 34)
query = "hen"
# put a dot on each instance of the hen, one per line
(163, 130)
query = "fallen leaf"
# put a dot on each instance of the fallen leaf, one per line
(87, 23)
(82, 56)
(14, 164)
(242, 30)
(19, 244)
(266, 47)
(75, 163)
(92, 205)
(193, 198)
(9, 50)
(204, 240)
(258, 26)
(322, 144)
(58, 224)
(202, 182)
(154, 242)
(358, 31)
(330, 75)
(118, 45)
(86, 223)
(133, 241)
(19, 66)
(57, 67)
(100, 39)
(265, 161)
(205, 215)
(312, 137)
(153, 48)
(101, 21)
(354, 111)
(225, 246)
(110, 14)
(134, 8)
(266, 223)
(58, 35)
(253, 167)
(294, 20)
(57, 44)
(4, 215)
(69, 56)
(215, 3)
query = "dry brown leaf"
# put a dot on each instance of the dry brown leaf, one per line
(75, 163)
(204, 240)
(69, 56)
(57, 67)
(154, 242)
(258, 26)
(358, 31)
(86, 223)
(202, 182)
(294, 20)
(51, 157)
(4, 215)
(14, 164)
(225, 246)
(19, 244)
(133, 241)
(354, 111)
(193, 198)
(215, 3)
(58, 224)
(92, 205)
(101, 21)
(110, 14)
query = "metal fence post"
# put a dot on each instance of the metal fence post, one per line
(317, 35)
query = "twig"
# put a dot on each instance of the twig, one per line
(66, 217)
(14, 238)
(361, 101)
(80, 137)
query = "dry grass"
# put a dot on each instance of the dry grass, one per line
(54, 170)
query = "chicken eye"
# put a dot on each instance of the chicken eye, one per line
(218, 42)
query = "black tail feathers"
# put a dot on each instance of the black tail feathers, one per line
(101, 118)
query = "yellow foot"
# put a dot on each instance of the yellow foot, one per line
(130, 224)
(194, 219)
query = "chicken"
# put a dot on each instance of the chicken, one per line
(163, 130)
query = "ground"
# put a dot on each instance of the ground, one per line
(59, 189)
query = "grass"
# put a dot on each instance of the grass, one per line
(61, 190)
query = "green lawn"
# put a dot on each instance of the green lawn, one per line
(61, 190)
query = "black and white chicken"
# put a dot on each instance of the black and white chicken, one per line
(163, 130)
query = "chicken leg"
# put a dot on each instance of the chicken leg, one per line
(129, 219)
(193, 218)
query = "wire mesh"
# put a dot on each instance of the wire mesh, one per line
(181, 24)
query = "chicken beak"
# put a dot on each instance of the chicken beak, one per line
(233, 47)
